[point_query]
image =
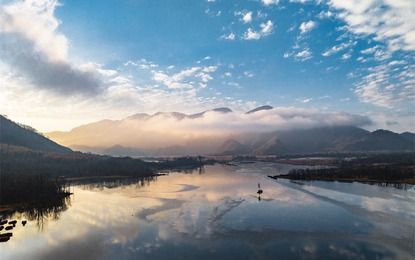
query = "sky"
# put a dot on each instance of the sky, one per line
(66, 63)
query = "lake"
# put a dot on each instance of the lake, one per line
(216, 213)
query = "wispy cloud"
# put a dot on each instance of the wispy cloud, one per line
(230, 36)
(304, 55)
(325, 14)
(187, 78)
(270, 2)
(305, 27)
(266, 29)
(304, 100)
(337, 48)
(383, 88)
(300, 1)
(389, 21)
(141, 64)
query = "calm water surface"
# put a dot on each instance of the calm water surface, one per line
(217, 214)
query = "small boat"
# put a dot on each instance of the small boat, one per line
(259, 189)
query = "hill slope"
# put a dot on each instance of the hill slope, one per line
(19, 135)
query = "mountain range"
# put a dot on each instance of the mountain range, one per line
(319, 140)
(175, 134)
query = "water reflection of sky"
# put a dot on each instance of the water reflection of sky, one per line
(218, 214)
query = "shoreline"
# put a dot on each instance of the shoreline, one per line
(361, 180)
(50, 201)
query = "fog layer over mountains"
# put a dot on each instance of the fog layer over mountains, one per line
(173, 133)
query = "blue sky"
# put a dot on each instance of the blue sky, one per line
(67, 63)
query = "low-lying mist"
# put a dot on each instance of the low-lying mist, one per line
(196, 134)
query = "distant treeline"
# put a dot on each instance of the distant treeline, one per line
(21, 162)
(398, 168)
(178, 163)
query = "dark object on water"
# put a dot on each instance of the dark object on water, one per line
(1, 228)
(3, 222)
(13, 222)
(9, 227)
(259, 189)
(5, 237)
(24, 222)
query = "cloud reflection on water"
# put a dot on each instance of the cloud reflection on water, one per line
(217, 214)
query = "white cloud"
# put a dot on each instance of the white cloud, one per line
(304, 55)
(210, 69)
(141, 64)
(386, 86)
(230, 36)
(377, 52)
(187, 78)
(266, 29)
(325, 97)
(247, 18)
(299, 1)
(346, 56)
(338, 48)
(250, 34)
(389, 21)
(369, 50)
(323, 15)
(307, 26)
(31, 46)
(35, 21)
(270, 2)
(396, 62)
(304, 100)
(249, 74)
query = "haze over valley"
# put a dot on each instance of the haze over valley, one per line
(261, 131)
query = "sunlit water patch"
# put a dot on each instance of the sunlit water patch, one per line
(218, 214)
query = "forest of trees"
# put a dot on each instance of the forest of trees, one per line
(29, 175)
(396, 167)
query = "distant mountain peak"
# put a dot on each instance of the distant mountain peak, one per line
(266, 107)
(176, 115)
(232, 147)
(139, 116)
(222, 110)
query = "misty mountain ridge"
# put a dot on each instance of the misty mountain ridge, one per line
(323, 140)
(177, 115)
(221, 131)
(261, 108)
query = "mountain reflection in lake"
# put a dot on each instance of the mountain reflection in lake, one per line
(218, 215)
